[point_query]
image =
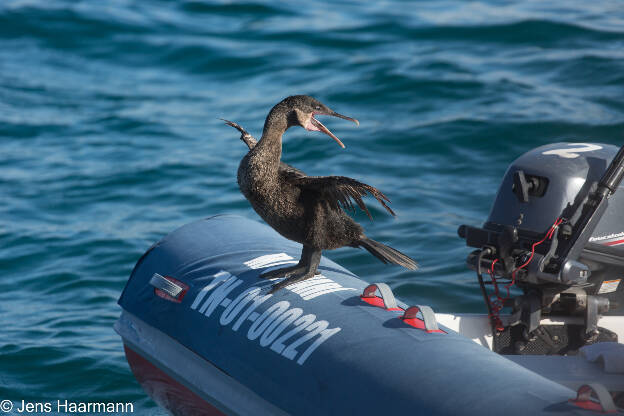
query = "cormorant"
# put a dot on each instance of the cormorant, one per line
(306, 209)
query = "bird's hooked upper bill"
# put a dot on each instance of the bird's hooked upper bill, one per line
(307, 107)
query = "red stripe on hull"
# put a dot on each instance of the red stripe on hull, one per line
(614, 243)
(166, 391)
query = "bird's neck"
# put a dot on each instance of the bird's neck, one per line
(269, 148)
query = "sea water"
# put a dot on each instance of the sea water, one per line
(110, 138)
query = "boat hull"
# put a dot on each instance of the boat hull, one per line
(314, 348)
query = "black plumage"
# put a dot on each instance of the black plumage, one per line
(306, 209)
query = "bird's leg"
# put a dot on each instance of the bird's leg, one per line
(306, 268)
(287, 271)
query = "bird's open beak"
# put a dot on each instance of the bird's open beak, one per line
(315, 125)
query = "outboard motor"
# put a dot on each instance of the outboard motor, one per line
(556, 232)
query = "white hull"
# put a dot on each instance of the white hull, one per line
(570, 371)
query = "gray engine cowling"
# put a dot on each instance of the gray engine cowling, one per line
(552, 182)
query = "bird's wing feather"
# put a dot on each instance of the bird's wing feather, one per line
(249, 140)
(340, 192)
(287, 171)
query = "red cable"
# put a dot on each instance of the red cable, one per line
(497, 305)
(548, 235)
(493, 278)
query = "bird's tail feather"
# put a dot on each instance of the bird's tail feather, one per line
(387, 254)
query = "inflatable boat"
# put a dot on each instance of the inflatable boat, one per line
(203, 335)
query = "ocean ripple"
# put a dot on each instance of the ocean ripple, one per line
(110, 138)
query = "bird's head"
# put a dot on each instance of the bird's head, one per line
(301, 110)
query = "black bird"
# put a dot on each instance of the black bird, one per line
(306, 209)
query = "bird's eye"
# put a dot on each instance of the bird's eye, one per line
(317, 107)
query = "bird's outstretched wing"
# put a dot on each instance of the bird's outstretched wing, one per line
(340, 192)
(249, 140)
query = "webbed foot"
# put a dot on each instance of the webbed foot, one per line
(305, 269)
(293, 278)
(283, 272)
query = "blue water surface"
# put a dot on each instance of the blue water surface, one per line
(110, 137)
